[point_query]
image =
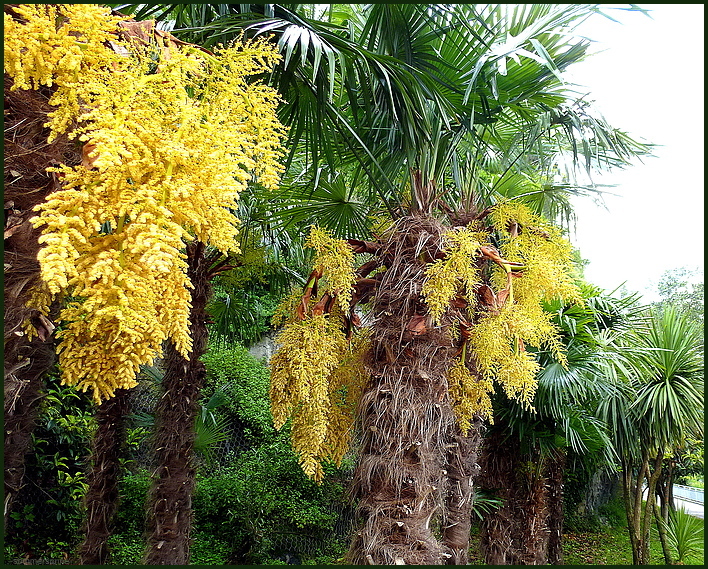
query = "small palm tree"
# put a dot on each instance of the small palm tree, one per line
(658, 403)
(684, 534)
(532, 516)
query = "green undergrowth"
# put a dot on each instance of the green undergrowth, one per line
(608, 546)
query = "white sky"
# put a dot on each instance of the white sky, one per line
(649, 83)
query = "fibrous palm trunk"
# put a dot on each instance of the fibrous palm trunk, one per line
(169, 520)
(518, 532)
(404, 412)
(26, 184)
(462, 467)
(102, 495)
(554, 477)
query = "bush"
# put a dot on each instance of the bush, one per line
(245, 381)
(257, 506)
(48, 513)
(268, 507)
(613, 512)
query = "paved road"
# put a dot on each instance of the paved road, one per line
(690, 507)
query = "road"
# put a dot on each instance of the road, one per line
(690, 507)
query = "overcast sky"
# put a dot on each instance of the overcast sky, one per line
(648, 82)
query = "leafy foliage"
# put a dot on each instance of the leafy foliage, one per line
(50, 511)
(258, 491)
(244, 382)
(684, 533)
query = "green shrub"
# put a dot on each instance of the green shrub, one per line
(133, 489)
(684, 534)
(127, 548)
(245, 381)
(48, 513)
(208, 550)
(614, 512)
(257, 507)
(263, 499)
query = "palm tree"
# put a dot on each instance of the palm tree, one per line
(170, 502)
(396, 96)
(659, 402)
(562, 419)
(102, 494)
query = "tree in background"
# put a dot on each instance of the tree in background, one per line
(682, 289)
(657, 404)
(524, 454)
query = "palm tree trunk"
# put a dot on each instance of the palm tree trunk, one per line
(169, 521)
(653, 477)
(518, 532)
(662, 537)
(26, 184)
(404, 411)
(23, 392)
(636, 536)
(102, 495)
(461, 468)
(554, 477)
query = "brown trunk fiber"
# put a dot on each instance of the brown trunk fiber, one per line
(518, 532)
(404, 412)
(554, 475)
(26, 184)
(169, 516)
(498, 462)
(462, 467)
(102, 495)
(23, 392)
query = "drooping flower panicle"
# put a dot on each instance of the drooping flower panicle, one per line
(171, 136)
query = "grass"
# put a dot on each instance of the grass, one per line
(609, 546)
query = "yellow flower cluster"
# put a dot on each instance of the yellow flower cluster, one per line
(444, 276)
(58, 44)
(335, 258)
(470, 395)
(499, 340)
(499, 337)
(316, 379)
(172, 136)
(541, 247)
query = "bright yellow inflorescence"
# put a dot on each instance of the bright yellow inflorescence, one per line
(499, 339)
(172, 137)
(335, 258)
(58, 45)
(470, 395)
(317, 374)
(316, 378)
(444, 276)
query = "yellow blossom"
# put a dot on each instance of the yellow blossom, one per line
(171, 141)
